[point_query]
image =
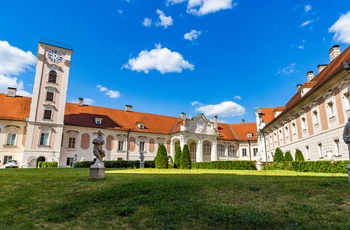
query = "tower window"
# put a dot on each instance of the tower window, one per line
(49, 96)
(47, 114)
(52, 76)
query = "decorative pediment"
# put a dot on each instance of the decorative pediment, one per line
(72, 132)
(201, 125)
(54, 67)
(12, 128)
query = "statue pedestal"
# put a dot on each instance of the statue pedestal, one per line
(259, 165)
(348, 171)
(97, 171)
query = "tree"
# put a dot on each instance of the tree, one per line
(288, 156)
(177, 156)
(185, 160)
(299, 155)
(161, 159)
(278, 157)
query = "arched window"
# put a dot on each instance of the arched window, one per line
(52, 76)
(206, 148)
(232, 151)
(221, 150)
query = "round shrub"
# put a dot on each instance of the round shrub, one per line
(161, 159)
(299, 155)
(278, 157)
(288, 156)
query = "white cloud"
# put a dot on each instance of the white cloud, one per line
(341, 28)
(203, 7)
(306, 23)
(307, 8)
(172, 2)
(164, 21)
(237, 97)
(224, 109)
(147, 22)
(193, 35)
(14, 61)
(161, 59)
(120, 11)
(287, 70)
(109, 93)
(87, 101)
(193, 103)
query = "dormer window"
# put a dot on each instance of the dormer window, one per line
(98, 120)
(141, 125)
(249, 135)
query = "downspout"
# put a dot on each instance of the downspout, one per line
(127, 144)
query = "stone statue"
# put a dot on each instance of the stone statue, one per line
(142, 160)
(346, 133)
(98, 152)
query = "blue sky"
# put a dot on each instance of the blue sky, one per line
(217, 57)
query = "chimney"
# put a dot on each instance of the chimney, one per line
(216, 122)
(299, 86)
(243, 121)
(183, 116)
(128, 108)
(11, 92)
(310, 75)
(80, 101)
(320, 67)
(334, 52)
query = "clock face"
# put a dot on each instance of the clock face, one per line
(55, 56)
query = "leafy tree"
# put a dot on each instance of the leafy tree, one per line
(278, 157)
(177, 156)
(185, 160)
(161, 159)
(299, 155)
(288, 156)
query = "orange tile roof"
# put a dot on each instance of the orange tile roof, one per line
(242, 130)
(14, 108)
(268, 114)
(18, 108)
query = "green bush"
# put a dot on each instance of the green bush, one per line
(308, 166)
(228, 165)
(185, 160)
(299, 155)
(44, 164)
(117, 164)
(288, 156)
(278, 157)
(177, 156)
(161, 158)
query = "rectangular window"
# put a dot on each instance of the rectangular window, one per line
(142, 146)
(337, 148)
(11, 138)
(44, 139)
(320, 152)
(330, 109)
(69, 161)
(232, 151)
(255, 151)
(71, 142)
(49, 96)
(307, 152)
(244, 152)
(6, 158)
(47, 114)
(120, 145)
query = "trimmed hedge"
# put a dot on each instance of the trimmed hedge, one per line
(238, 165)
(117, 164)
(44, 164)
(309, 166)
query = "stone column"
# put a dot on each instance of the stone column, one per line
(214, 151)
(199, 151)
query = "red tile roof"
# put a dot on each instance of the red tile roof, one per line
(242, 130)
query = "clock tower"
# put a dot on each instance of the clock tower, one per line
(45, 121)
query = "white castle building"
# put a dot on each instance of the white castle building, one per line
(47, 128)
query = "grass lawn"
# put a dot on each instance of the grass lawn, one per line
(173, 199)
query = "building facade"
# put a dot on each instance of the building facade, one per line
(314, 118)
(47, 128)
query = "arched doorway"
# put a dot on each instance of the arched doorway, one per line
(206, 151)
(193, 149)
(40, 159)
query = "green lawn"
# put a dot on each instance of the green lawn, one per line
(173, 199)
